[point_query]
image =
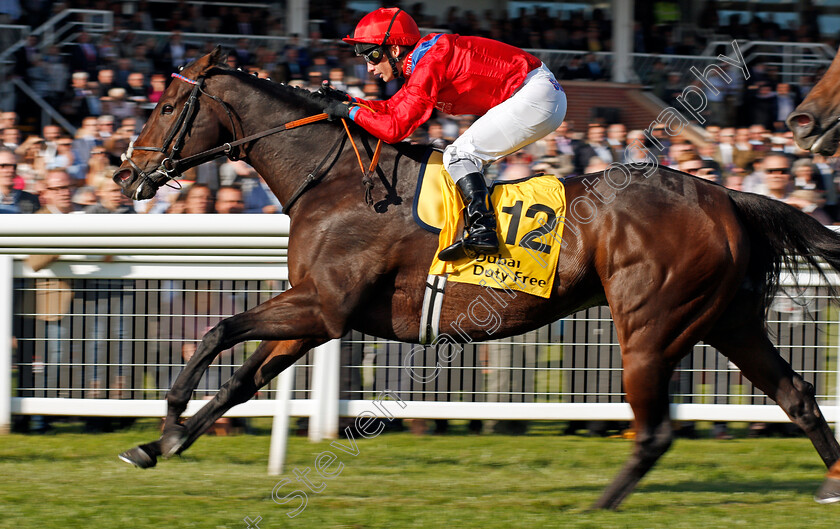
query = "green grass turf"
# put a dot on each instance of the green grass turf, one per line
(74, 480)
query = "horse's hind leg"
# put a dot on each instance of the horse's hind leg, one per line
(751, 350)
(265, 363)
(646, 382)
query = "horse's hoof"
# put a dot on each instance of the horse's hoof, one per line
(829, 491)
(172, 442)
(139, 457)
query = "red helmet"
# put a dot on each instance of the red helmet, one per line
(386, 26)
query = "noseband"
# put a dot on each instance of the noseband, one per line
(172, 165)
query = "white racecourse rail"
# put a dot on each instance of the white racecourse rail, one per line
(139, 291)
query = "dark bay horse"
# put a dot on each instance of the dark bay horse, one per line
(678, 260)
(815, 128)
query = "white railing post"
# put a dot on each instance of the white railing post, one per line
(6, 282)
(323, 424)
(837, 383)
(280, 425)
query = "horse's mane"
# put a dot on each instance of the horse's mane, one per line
(302, 98)
(298, 97)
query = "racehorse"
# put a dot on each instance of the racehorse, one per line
(815, 128)
(678, 260)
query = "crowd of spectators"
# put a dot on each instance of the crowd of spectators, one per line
(106, 84)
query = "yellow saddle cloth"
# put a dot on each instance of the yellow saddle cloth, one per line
(530, 215)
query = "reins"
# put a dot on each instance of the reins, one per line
(172, 167)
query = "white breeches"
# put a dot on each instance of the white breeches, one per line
(532, 112)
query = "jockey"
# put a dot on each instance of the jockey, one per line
(516, 96)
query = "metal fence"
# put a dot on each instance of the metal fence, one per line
(106, 336)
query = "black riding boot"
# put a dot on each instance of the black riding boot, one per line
(480, 222)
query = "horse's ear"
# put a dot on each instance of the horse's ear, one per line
(216, 56)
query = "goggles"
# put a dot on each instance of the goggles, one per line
(372, 54)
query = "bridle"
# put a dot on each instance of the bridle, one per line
(172, 166)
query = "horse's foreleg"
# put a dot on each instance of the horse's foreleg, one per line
(829, 491)
(269, 360)
(646, 385)
(292, 314)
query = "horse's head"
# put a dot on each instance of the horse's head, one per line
(815, 121)
(155, 157)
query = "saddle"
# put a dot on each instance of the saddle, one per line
(530, 215)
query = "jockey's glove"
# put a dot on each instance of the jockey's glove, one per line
(337, 109)
(328, 91)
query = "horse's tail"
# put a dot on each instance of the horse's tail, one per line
(780, 233)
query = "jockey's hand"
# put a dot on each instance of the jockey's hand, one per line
(328, 91)
(337, 109)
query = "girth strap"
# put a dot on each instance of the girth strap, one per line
(314, 177)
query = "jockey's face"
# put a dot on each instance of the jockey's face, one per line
(383, 68)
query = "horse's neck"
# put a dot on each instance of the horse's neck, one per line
(283, 159)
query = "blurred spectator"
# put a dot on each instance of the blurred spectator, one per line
(806, 176)
(777, 180)
(109, 198)
(117, 105)
(84, 56)
(11, 137)
(137, 90)
(258, 197)
(13, 200)
(26, 56)
(595, 145)
(742, 154)
(229, 200)
(50, 133)
(764, 107)
(104, 82)
(140, 61)
(57, 194)
(549, 159)
(198, 199)
(707, 154)
(811, 202)
(691, 163)
(566, 144)
(173, 53)
(105, 126)
(8, 119)
(84, 196)
(735, 179)
(98, 167)
(617, 140)
(63, 158)
(435, 135)
(593, 68)
(725, 153)
(158, 86)
(79, 101)
(759, 138)
(32, 166)
(786, 101)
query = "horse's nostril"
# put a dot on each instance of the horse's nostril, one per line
(802, 120)
(123, 175)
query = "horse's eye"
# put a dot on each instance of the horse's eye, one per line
(167, 109)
